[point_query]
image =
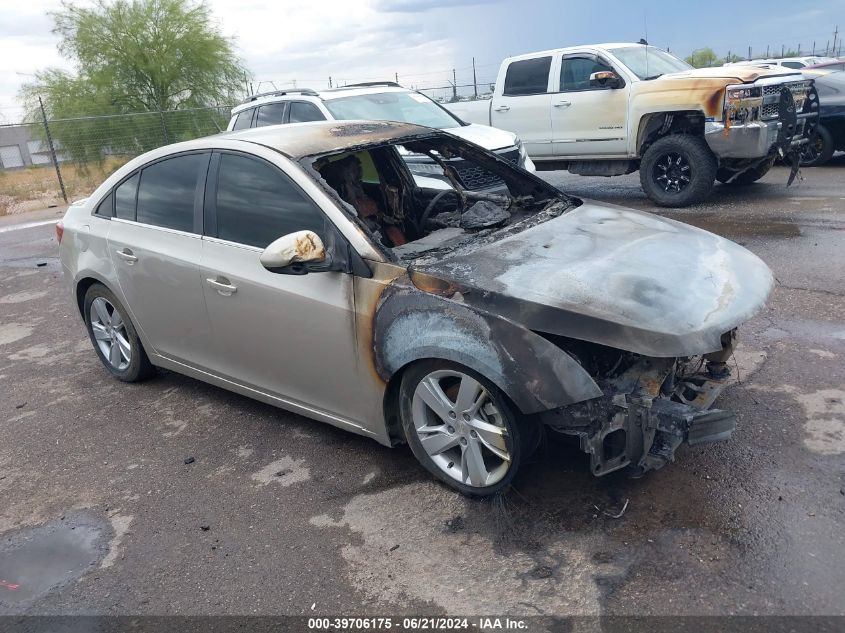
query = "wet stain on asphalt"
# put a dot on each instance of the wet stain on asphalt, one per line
(36, 560)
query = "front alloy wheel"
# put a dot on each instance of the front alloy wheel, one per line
(672, 172)
(460, 428)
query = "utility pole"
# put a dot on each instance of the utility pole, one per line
(814, 48)
(52, 149)
(782, 50)
(767, 51)
(330, 81)
(474, 80)
(749, 53)
(799, 49)
(835, 33)
(454, 86)
(396, 77)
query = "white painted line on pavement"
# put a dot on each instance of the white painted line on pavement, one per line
(27, 225)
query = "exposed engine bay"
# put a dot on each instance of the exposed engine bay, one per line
(412, 216)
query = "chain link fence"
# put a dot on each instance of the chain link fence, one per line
(56, 161)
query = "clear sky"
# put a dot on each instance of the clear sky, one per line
(422, 40)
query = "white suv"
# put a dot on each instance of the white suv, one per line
(385, 101)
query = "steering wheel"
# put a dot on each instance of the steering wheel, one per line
(424, 217)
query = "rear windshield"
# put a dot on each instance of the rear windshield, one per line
(405, 107)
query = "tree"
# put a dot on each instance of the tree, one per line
(135, 56)
(702, 58)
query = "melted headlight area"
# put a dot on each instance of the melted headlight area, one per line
(649, 407)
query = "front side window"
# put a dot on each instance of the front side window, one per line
(301, 111)
(528, 77)
(167, 191)
(270, 114)
(124, 199)
(575, 73)
(257, 203)
(243, 120)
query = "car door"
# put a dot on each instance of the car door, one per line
(155, 246)
(588, 119)
(290, 336)
(523, 107)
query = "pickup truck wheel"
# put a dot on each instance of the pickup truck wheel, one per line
(819, 150)
(678, 170)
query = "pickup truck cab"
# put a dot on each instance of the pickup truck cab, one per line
(611, 109)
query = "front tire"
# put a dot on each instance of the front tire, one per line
(678, 170)
(114, 336)
(462, 428)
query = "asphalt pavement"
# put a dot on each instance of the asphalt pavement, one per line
(176, 497)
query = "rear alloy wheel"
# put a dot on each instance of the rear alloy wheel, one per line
(819, 150)
(460, 427)
(678, 170)
(114, 337)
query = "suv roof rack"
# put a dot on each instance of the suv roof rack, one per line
(368, 84)
(278, 93)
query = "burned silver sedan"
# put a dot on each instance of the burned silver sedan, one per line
(465, 313)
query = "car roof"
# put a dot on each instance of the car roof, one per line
(297, 140)
(308, 94)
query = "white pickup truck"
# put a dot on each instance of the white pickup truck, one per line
(610, 109)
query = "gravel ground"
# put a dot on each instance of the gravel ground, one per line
(276, 514)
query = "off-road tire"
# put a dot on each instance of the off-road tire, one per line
(140, 368)
(522, 438)
(702, 170)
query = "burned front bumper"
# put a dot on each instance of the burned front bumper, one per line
(758, 139)
(646, 414)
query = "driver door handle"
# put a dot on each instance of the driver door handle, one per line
(563, 104)
(502, 108)
(222, 285)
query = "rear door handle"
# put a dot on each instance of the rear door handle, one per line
(126, 255)
(222, 286)
(502, 108)
(563, 104)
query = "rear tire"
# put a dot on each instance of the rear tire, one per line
(462, 428)
(819, 150)
(678, 170)
(114, 336)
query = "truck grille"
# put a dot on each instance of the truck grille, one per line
(771, 96)
(475, 178)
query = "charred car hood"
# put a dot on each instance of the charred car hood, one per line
(613, 276)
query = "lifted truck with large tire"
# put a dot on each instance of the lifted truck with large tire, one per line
(612, 109)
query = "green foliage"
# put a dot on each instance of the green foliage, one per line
(135, 56)
(702, 58)
(732, 57)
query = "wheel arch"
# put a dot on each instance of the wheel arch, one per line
(81, 289)
(532, 372)
(655, 125)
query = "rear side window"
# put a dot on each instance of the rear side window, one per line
(106, 207)
(528, 77)
(124, 199)
(243, 120)
(301, 111)
(257, 203)
(270, 114)
(167, 192)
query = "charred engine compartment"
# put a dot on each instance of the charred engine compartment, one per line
(650, 405)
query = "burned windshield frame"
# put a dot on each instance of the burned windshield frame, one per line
(525, 191)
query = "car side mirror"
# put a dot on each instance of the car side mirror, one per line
(302, 247)
(605, 79)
